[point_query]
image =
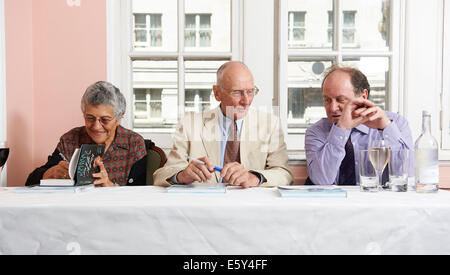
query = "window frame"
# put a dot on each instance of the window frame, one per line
(295, 138)
(120, 56)
(445, 94)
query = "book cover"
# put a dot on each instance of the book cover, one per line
(311, 192)
(198, 188)
(85, 164)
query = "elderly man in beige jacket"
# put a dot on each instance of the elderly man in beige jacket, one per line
(247, 143)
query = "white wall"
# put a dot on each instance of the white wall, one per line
(423, 63)
(258, 47)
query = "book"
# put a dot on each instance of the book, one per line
(85, 163)
(81, 167)
(311, 192)
(198, 188)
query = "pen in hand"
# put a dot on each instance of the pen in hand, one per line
(202, 162)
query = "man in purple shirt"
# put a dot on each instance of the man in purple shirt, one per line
(352, 123)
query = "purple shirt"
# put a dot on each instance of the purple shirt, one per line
(325, 146)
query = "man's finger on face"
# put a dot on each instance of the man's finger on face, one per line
(370, 111)
(357, 112)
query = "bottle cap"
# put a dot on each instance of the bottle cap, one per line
(425, 113)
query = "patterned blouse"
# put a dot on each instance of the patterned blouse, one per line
(127, 148)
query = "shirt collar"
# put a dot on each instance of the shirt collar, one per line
(225, 122)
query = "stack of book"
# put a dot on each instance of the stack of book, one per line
(311, 192)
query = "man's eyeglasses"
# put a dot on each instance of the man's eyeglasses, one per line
(102, 120)
(240, 93)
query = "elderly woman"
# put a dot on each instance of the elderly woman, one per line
(103, 106)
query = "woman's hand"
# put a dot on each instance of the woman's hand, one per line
(102, 176)
(59, 171)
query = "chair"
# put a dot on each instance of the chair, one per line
(156, 158)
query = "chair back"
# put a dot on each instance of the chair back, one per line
(156, 158)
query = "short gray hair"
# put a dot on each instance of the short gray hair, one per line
(104, 93)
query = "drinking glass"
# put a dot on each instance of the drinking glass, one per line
(368, 181)
(380, 160)
(4, 152)
(398, 170)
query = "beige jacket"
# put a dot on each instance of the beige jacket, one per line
(262, 148)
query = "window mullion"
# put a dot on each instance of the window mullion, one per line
(337, 9)
(181, 79)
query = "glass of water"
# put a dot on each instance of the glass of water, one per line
(368, 180)
(398, 170)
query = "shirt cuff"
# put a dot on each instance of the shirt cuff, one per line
(260, 176)
(174, 178)
(391, 132)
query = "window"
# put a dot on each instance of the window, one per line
(349, 27)
(178, 45)
(296, 31)
(354, 33)
(198, 30)
(147, 31)
(445, 96)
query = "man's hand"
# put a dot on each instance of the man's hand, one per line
(59, 171)
(196, 172)
(234, 173)
(375, 117)
(348, 119)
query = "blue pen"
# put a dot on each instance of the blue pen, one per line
(202, 162)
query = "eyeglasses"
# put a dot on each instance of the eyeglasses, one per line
(103, 120)
(240, 93)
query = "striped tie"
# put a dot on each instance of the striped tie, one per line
(232, 152)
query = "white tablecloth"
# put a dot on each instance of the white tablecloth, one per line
(147, 220)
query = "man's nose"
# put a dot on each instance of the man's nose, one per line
(245, 99)
(334, 106)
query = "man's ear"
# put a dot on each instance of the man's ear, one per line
(365, 94)
(216, 92)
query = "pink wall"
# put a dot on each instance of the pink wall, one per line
(53, 52)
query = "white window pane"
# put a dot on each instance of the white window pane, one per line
(376, 70)
(309, 23)
(366, 24)
(200, 77)
(159, 80)
(305, 102)
(155, 21)
(212, 25)
(141, 36)
(161, 24)
(190, 21)
(140, 21)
